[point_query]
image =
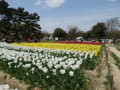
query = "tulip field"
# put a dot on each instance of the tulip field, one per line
(50, 66)
(63, 46)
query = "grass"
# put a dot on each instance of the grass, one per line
(117, 59)
(106, 82)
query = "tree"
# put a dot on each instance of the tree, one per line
(88, 35)
(113, 28)
(113, 24)
(45, 34)
(113, 35)
(17, 23)
(73, 33)
(3, 11)
(60, 33)
(3, 8)
(98, 31)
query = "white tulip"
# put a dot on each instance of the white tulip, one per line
(27, 73)
(27, 65)
(79, 62)
(47, 76)
(65, 66)
(93, 53)
(71, 73)
(49, 65)
(62, 71)
(45, 70)
(57, 66)
(74, 67)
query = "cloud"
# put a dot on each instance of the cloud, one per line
(38, 2)
(50, 3)
(54, 3)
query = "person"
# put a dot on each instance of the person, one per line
(111, 42)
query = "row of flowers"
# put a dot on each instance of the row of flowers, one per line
(76, 42)
(46, 68)
(64, 46)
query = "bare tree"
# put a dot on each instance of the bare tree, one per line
(113, 24)
(74, 32)
(113, 28)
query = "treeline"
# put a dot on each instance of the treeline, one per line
(97, 32)
(18, 24)
(102, 30)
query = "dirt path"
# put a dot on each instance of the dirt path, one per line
(113, 68)
(13, 82)
(98, 77)
(107, 75)
(114, 50)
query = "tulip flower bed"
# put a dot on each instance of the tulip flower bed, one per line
(63, 46)
(51, 69)
(76, 42)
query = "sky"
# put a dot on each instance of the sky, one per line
(66, 13)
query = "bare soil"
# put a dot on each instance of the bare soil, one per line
(114, 69)
(107, 75)
(114, 50)
(13, 82)
(98, 77)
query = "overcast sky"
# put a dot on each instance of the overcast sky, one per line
(65, 13)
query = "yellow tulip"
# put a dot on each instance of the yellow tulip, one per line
(63, 46)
